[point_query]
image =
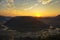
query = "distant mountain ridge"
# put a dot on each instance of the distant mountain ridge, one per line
(54, 21)
(25, 24)
(4, 19)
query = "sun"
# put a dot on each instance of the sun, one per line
(37, 15)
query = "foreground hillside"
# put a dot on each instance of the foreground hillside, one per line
(29, 28)
(47, 34)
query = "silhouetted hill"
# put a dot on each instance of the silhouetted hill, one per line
(54, 21)
(25, 24)
(3, 19)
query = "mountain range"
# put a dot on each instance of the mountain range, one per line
(28, 23)
(4, 19)
(54, 21)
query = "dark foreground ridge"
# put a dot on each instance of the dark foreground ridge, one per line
(25, 24)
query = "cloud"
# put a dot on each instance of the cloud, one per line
(44, 2)
(32, 7)
(28, 8)
(10, 1)
(10, 4)
(0, 2)
(54, 2)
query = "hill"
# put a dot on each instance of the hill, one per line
(4, 19)
(25, 24)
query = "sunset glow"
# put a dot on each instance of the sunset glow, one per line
(37, 15)
(38, 8)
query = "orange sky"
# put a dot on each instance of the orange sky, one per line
(28, 13)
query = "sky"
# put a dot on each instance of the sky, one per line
(43, 8)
